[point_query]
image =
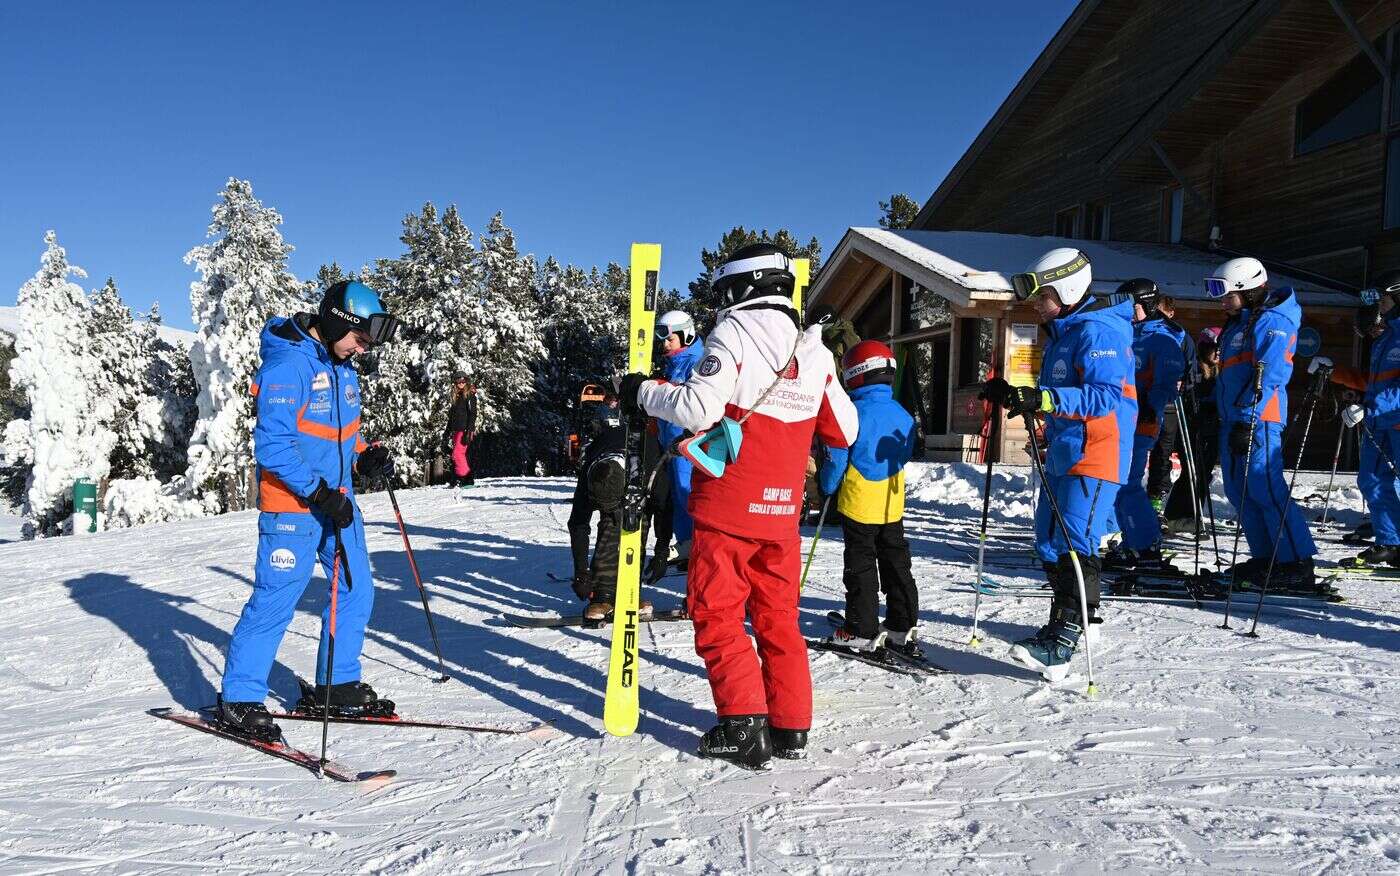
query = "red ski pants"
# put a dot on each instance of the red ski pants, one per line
(730, 575)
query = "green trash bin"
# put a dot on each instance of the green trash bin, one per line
(85, 503)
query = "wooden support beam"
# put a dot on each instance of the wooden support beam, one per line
(1212, 59)
(1355, 30)
(1176, 173)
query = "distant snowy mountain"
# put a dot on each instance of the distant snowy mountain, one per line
(9, 325)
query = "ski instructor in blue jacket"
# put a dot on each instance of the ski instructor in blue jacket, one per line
(1089, 400)
(1256, 362)
(306, 442)
(1160, 358)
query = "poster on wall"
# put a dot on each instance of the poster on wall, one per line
(1023, 357)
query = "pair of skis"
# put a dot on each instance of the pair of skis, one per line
(327, 768)
(887, 658)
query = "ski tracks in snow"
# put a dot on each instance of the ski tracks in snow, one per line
(1203, 750)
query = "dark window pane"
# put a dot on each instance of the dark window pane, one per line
(1392, 183)
(1067, 223)
(1347, 105)
(974, 351)
(1098, 222)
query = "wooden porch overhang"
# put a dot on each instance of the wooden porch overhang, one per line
(972, 269)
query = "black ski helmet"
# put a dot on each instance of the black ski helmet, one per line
(607, 480)
(753, 271)
(1143, 291)
(351, 305)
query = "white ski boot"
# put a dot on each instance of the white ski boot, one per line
(842, 638)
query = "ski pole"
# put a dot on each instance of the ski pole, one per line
(1336, 458)
(1190, 466)
(812, 551)
(1205, 496)
(1283, 512)
(417, 579)
(1073, 554)
(992, 430)
(1244, 490)
(330, 638)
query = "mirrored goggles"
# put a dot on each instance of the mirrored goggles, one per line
(381, 328)
(1370, 296)
(1216, 287)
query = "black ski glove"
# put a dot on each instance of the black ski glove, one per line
(1146, 414)
(1016, 399)
(332, 503)
(375, 462)
(998, 392)
(627, 388)
(1239, 438)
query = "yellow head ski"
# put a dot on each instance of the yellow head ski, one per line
(620, 706)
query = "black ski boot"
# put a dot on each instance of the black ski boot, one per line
(1245, 574)
(247, 719)
(1296, 578)
(349, 699)
(788, 744)
(1376, 555)
(1360, 535)
(742, 740)
(1120, 559)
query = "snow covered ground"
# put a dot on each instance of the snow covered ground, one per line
(1203, 750)
(10, 526)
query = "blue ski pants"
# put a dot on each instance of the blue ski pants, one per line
(1084, 503)
(289, 546)
(1141, 529)
(1377, 482)
(1267, 511)
(682, 526)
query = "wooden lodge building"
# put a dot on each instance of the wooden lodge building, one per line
(1162, 139)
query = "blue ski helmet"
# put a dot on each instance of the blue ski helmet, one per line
(350, 305)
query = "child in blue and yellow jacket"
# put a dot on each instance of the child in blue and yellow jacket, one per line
(867, 481)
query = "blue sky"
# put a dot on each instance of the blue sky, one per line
(589, 124)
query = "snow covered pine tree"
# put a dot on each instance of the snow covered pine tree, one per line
(56, 367)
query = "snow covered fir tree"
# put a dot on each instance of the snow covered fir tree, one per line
(63, 439)
(244, 282)
(171, 427)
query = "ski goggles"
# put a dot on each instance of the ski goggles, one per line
(1217, 287)
(1029, 284)
(381, 328)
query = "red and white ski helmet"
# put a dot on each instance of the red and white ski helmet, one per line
(868, 362)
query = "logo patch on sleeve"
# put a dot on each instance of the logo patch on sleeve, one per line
(709, 366)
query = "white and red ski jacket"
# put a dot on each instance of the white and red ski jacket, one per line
(760, 495)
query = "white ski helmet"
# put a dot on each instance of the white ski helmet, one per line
(1065, 269)
(676, 322)
(1236, 275)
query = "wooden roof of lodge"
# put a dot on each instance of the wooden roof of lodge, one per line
(967, 267)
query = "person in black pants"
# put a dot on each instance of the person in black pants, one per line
(1159, 461)
(602, 482)
(1203, 419)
